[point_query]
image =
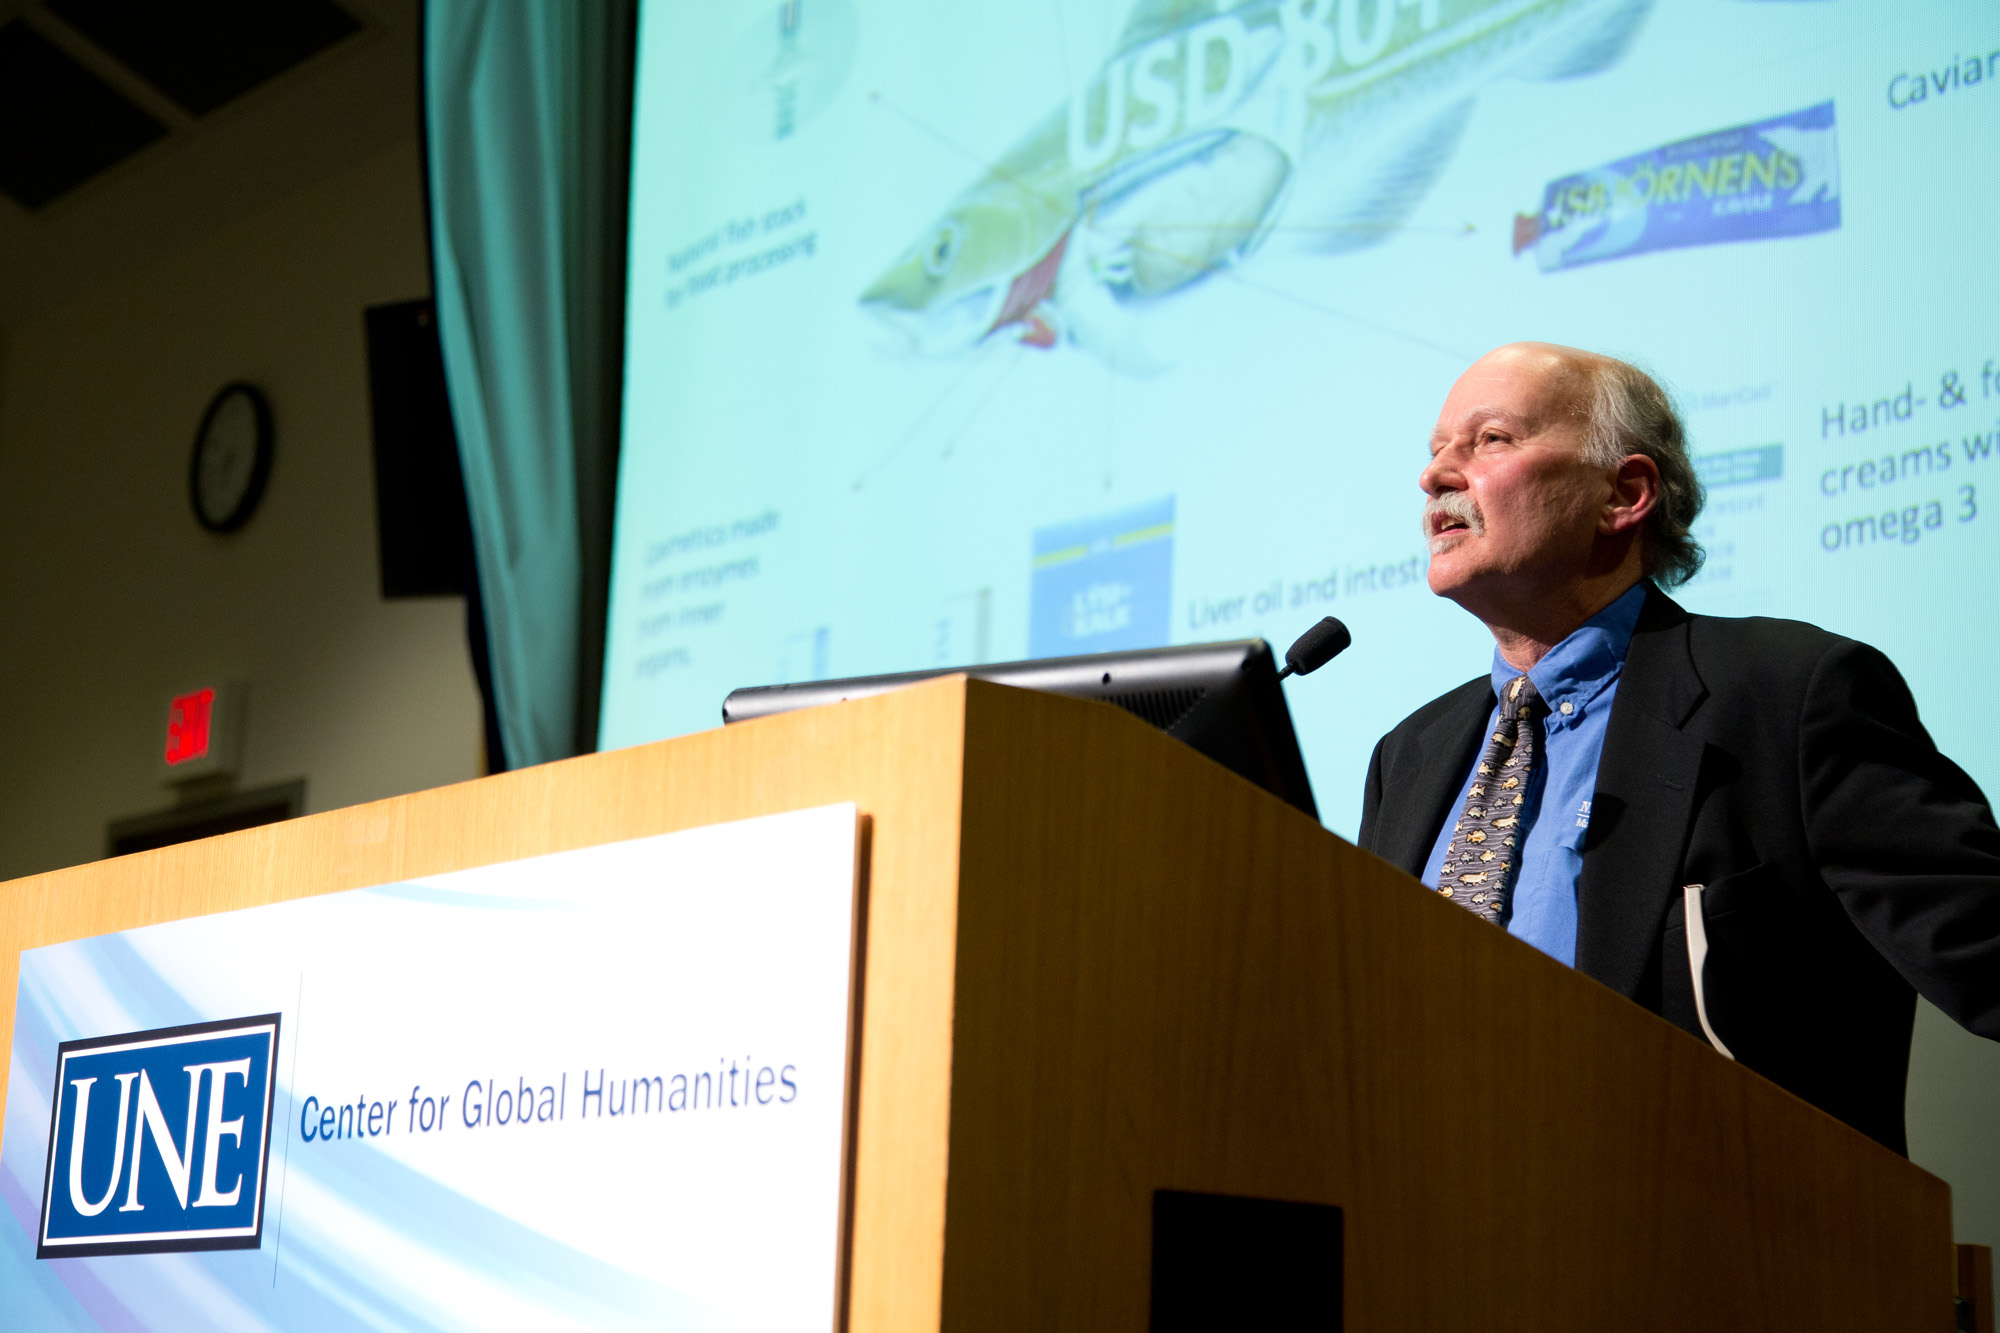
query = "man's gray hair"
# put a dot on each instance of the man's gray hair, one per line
(1627, 412)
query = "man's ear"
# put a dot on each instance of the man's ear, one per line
(1635, 493)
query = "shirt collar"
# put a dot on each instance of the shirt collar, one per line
(1577, 670)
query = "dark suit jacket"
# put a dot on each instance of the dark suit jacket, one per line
(1849, 865)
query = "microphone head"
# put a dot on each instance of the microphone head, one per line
(1317, 646)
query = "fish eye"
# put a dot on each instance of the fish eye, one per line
(943, 249)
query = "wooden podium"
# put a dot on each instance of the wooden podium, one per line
(1098, 965)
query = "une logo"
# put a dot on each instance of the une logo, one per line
(158, 1140)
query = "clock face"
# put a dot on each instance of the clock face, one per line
(232, 458)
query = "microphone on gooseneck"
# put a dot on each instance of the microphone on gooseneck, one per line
(1315, 648)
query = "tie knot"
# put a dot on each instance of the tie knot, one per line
(1520, 700)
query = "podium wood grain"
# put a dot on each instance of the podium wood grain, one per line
(1098, 964)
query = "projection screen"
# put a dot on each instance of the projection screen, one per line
(962, 333)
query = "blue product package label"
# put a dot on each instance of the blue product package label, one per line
(1734, 467)
(1103, 584)
(1776, 177)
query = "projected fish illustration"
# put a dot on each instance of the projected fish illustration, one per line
(1211, 125)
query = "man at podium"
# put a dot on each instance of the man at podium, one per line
(1739, 823)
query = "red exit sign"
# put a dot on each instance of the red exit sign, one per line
(204, 732)
(188, 717)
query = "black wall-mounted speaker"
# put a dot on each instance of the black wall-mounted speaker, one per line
(420, 515)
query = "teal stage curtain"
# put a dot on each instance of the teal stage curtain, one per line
(527, 128)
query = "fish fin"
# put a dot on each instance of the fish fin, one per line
(1590, 48)
(1091, 317)
(1039, 333)
(1527, 230)
(1371, 204)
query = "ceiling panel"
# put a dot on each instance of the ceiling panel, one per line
(356, 99)
(59, 123)
(203, 53)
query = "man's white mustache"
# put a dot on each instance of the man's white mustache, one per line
(1454, 505)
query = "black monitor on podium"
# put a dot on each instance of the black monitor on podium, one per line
(1224, 699)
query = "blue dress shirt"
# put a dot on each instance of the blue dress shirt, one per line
(1577, 680)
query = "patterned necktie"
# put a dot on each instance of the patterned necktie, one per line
(1485, 851)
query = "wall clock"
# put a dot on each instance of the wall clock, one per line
(232, 458)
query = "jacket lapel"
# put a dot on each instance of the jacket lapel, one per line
(1644, 801)
(1425, 789)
